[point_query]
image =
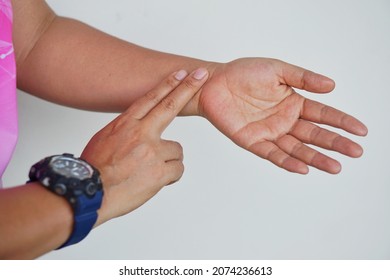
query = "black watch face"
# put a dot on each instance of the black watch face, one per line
(71, 168)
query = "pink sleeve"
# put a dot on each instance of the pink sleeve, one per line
(8, 109)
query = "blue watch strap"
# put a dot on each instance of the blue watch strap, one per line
(85, 216)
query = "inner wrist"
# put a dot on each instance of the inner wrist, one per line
(193, 108)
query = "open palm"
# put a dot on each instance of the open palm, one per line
(253, 102)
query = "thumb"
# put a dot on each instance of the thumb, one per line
(301, 78)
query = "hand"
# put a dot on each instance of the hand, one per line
(134, 162)
(252, 101)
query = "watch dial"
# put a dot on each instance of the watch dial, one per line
(71, 168)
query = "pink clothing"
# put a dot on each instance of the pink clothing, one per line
(8, 112)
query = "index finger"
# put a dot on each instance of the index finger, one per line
(169, 107)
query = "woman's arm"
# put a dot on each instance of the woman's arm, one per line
(134, 164)
(33, 221)
(70, 63)
(252, 101)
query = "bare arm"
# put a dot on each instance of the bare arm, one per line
(68, 62)
(33, 221)
(252, 101)
(134, 163)
(79, 66)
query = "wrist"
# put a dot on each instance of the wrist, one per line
(76, 181)
(59, 221)
(193, 108)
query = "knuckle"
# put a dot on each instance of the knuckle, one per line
(190, 83)
(315, 134)
(179, 171)
(171, 82)
(175, 173)
(152, 97)
(179, 147)
(169, 104)
(181, 168)
(145, 151)
(180, 151)
(117, 125)
(136, 135)
(176, 150)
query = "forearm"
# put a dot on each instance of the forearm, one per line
(33, 221)
(76, 65)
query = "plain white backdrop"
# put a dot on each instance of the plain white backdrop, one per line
(229, 203)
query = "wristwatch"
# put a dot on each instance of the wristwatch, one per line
(79, 183)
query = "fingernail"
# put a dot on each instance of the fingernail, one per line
(200, 73)
(181, 75)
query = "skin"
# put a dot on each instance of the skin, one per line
(263, 114)
(131, 174)
(251, 100)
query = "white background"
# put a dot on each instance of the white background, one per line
(231, 204)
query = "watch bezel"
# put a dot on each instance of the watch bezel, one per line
(72, 159)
